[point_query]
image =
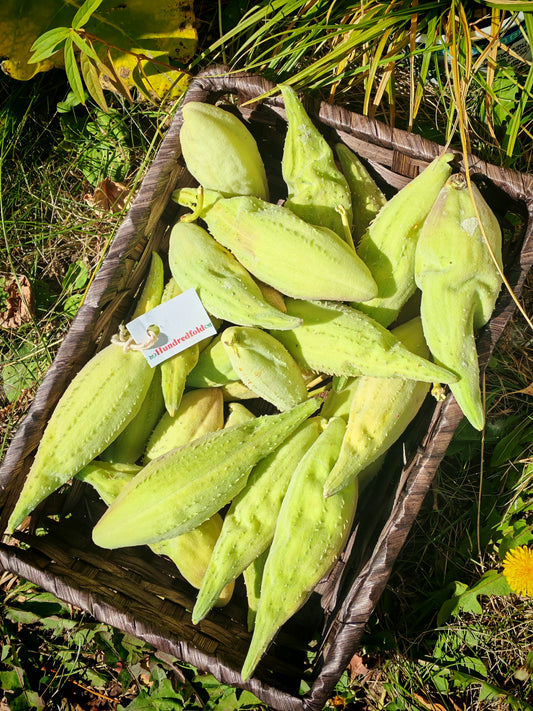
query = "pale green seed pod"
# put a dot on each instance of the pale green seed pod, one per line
(130, 444)
(340, 340)
(179, 490)
(316, 187)
(273, 296)
(108, 478)
(273, 243)
(235, 391)
(311, 532)
(199, 412)
(174, 370)
(388, 246)
(249, 524)
(224, 286)
(265, 366)
(253, 576)
(220, 152)
(367, 198)
(338, 404)
(460, 284)
(96, 406)
(152, 291)
(213, 367)
(380, 411)
(237, 414)
(339, 399)
(190, 552)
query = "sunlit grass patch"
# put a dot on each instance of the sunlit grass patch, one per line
(60, 171)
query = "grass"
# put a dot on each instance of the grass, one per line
(53, 233)
(422, 66)
(447, 633)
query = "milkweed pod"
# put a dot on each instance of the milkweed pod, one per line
(251, 519)
(199, 412)
(237, 414)
(108, 478)
(273, 243)
(130, 444)
(388, 246)
(367, 198)
(189, 552)
(152, 290)
(253, 576)
(340, 340)
(220, 151)
(316, 187)
(457, 271)
(235, 391)
(224, 286)
(338, 400)
(179, 490)
(273, 296)
(213, 367)
(174, 370)
(310, 533)
(380, 411)
(265, 366)
(97, 405)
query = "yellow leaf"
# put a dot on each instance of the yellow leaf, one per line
(143, 40)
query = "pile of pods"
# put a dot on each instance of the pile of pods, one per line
(313, 301)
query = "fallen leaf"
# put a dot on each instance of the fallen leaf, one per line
(19, 302)
(430, 705)
(108, 196)
(427, 704)
(356, 667)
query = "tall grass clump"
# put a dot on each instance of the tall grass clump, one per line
(439, 68)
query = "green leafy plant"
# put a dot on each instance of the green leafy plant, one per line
(53, 651)
(54, 228)
(102, 46)
(99, 141)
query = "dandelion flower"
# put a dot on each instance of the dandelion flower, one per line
(518, 569)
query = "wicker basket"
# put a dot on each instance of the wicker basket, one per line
(132, 589)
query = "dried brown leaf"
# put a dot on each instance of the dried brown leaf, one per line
(357, 667)
(20, 303)
(108, 196)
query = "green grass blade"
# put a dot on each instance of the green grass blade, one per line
(524, 97)
(73, 73)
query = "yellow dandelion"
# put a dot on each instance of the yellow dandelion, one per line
(518, 569)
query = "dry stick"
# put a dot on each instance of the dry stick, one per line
(88, 689)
